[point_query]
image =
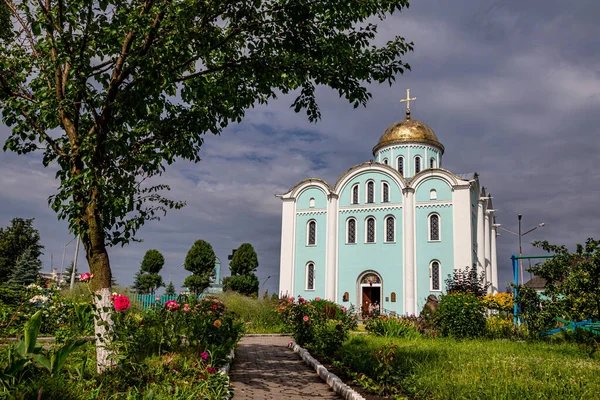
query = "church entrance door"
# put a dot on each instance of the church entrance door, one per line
(369, 285)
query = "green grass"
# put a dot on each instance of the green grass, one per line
(480, 369)
(258, 315)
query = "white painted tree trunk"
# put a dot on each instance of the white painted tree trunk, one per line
(103, 331)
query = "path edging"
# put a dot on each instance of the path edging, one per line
(331, 379)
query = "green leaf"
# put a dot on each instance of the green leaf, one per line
(31, 331)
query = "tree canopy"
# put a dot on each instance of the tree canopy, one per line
(27, 269)
(572, 279)
(15, 240)
(153, 261)
(244, 260)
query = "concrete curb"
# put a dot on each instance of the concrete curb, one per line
(331, 379)
(267, 334)
(224, 370)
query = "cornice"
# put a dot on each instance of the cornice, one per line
(345, 210)
(312, 212)
(431, 205)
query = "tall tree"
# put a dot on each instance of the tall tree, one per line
(200, 261)
(244, 261)
(15, 239)
(27, 269)
(147, 279)
(170, 290)
(114, 91)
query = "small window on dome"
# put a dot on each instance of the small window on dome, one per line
(311, 203)
(385, 161)
(432, 194)
(417, 164)
(432, 163)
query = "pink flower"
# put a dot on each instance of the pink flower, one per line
(121, 302)
(204, 355)
(317, 298)
(211, 370)
(186, 307)
(290, 343)
(86, 276)
(291, 299)
(157, 298)
(281, 308)
(305, 319)
(171, 305)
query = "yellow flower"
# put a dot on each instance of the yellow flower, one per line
(217, 323)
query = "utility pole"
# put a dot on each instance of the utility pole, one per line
(75, 263)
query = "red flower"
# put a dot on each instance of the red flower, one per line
(186, 307)
(305, 319)
(211, 370)
(171, 305)
(121, 302)
(214, 306)
(317, 298)
(86, 276)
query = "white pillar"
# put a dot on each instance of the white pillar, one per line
(480, 239)
(461, 222)
(410, 303)
(331, 267)
(494, 260)
(488, 253)
(286, 269)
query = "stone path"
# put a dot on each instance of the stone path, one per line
(264, 368)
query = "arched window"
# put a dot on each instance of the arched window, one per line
(393, 296)
(385, 161)
(385, 192)
(434, 227)
(390, 229)
(311, 203)
(370, 230)
(312, 233)
(400, 163)
(434, 276)
(351, 230)
(310, 276)
(432, 194)
(370, 192)
(355, 194)
(432, 163)
(417, 164)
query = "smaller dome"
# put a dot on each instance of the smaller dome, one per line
(408, 131)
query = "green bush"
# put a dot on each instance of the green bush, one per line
(244, 284)
(320, 325)
(392, 327)
(461, 315)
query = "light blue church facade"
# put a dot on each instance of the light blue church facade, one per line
(389, 231)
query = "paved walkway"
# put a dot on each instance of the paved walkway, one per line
(264, 368)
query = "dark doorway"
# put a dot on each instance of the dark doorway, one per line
(371, 296)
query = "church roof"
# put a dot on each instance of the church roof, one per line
(469, 176)
(408, 131)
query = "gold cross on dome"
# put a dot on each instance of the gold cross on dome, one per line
(407, 100)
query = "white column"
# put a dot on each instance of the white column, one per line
(331, 267)
(461, 222)
(410, 303)
(488, 256)
(494, 260)
(480, 239)
(286, 269)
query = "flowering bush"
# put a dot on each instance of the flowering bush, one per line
(499, 301)
(319, 324)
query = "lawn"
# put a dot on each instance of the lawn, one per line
(438, 368)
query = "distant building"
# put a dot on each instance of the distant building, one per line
(216, 283)
(389, 231)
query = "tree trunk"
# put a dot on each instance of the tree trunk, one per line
(97, 257)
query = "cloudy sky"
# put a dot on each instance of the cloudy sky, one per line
(511, 88)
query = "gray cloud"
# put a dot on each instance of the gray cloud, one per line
(511, 88)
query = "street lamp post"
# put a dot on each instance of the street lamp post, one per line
(520, 235)
(262, 284)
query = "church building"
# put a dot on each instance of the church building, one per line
(389, 231)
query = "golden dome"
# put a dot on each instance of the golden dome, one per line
(408, 131)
